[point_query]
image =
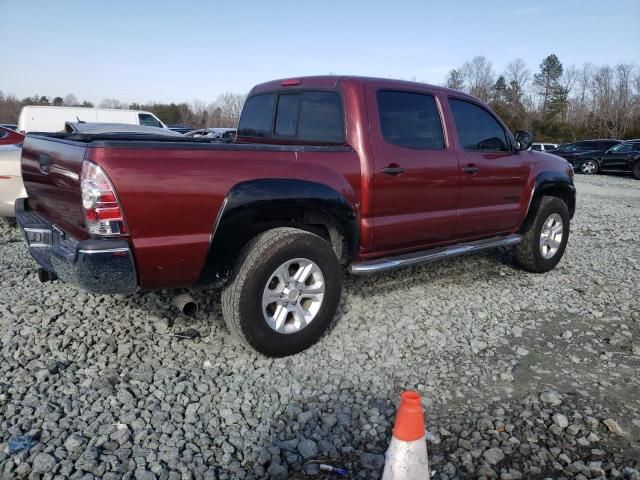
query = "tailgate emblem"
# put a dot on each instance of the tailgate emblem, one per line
(45, 163)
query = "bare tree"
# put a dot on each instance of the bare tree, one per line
(603, 91)
(226, 110)
(112, 103)
(70, 100)
(10, 108)
(517, 71)
(479, 77)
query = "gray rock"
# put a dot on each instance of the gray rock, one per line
(304, 417)
(613, 426)
(191, 413)
(74, 442)
(308, 448)
(43, 463)
(372, 461)
(493, 456)
(277, 471)
(551, 397)
(560, 420)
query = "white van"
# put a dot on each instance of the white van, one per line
(44, 118)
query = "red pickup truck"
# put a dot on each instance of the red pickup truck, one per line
(325, 172)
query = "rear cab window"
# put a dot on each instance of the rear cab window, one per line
(306, 116)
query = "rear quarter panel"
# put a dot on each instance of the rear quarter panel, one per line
(172, 197)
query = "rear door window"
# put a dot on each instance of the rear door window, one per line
(536, 147)
(477, 129)
(410, 120)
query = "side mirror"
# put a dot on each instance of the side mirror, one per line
(523, 140)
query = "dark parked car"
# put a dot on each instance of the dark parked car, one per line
(624, 157)
(573, 151)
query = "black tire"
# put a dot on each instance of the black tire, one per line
(635, 170)
(242, 297)
(589, 167)
(527, 254)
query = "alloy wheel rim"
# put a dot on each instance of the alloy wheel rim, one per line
(588, 167)
(293, 295)
(551, 236)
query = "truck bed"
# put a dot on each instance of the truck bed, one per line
(171, 189)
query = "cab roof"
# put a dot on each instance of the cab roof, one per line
(333, 81)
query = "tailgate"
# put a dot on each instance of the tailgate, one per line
(51, 169)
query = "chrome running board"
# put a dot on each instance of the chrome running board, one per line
(428, 256)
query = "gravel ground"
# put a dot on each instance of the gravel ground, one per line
(523, 375)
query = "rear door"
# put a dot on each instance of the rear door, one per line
(416, 171)
(493, 176)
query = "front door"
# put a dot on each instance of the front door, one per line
(493, 175)
(617, 158)
(416, 172)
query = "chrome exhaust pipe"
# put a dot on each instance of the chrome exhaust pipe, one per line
(186, 304)
(46, 275)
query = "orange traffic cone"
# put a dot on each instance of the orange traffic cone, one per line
(406, 458)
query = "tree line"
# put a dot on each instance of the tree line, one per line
(555, 102)
(223, 112)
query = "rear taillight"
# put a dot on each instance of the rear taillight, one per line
(101, 208)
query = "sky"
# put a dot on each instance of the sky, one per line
(181, 50)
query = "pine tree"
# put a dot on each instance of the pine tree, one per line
(500, 90)
(547, 80)
(455, 80)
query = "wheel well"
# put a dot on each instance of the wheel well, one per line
(560, 190)
(321, 223)
(232, 235)
(564, 194)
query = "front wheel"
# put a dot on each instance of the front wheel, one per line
(545, 240)
(589, 167)
(284, 293)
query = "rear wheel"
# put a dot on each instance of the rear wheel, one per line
(284, 293)
(589, 167)
(635, 170)
(544, 242)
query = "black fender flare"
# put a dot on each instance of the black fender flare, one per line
(554, 183)
(254, 206)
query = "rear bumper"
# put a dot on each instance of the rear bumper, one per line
(98, 266)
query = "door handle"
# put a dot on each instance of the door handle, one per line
(393, 170)
(470, 169)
